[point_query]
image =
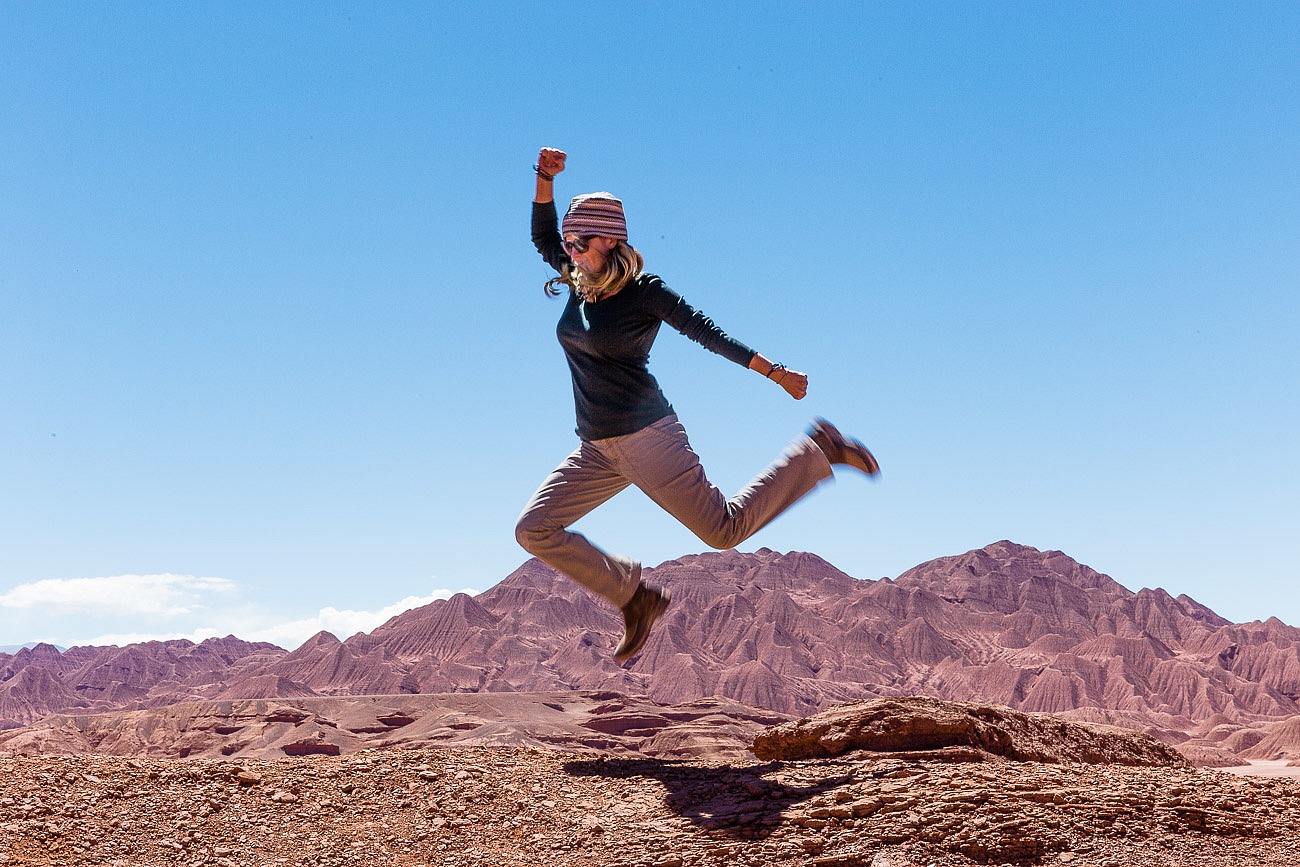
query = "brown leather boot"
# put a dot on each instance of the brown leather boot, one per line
(639, 614)
(840, 449)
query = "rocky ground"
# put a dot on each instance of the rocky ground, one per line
(515, 807)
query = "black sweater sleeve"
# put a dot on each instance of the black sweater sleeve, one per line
(546, 236)
(673, 309)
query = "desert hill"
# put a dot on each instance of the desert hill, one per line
(788, 633)
(40, 680)
(1007, 624)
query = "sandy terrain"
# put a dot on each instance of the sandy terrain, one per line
(1259, 768)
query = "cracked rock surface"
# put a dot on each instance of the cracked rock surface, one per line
(509, 807)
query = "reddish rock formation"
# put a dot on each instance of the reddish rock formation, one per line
(32, 691)
(41, 680)
(1281, 741)
(1010, 625)
(959, 729)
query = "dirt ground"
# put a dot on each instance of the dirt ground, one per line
(516, 807)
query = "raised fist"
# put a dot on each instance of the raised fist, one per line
(550, 161)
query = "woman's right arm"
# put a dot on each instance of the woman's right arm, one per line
(545, 225)
(550, 162)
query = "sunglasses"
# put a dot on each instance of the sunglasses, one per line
(578, 245)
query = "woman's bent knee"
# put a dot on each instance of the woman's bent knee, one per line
(526, 534)
(532, 533)
(720, 540)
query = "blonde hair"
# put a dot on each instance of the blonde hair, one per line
(623, 264)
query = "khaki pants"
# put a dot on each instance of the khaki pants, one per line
(659, 460)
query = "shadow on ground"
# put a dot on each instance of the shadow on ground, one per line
(741, 802)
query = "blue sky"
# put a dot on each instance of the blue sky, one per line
(274, 353)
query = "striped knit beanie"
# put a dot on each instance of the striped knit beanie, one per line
(595, 214)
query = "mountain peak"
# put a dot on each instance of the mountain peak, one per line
(788, 632)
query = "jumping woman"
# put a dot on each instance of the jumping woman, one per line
(628, 432)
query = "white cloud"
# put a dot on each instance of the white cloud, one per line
(168, 595)
(343, 624)
(288, 634)
(131, 609)
(122, 639)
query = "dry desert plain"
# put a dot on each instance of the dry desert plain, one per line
(510, 806)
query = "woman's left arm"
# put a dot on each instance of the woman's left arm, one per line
(673, 309)
(794, 382)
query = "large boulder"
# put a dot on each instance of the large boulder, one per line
(960, 730)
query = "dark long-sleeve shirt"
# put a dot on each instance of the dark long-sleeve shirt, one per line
(607, 343)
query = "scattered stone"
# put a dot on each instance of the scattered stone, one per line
(511, 807)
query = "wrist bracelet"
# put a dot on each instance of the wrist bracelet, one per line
(775, 367)
(541, 174)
